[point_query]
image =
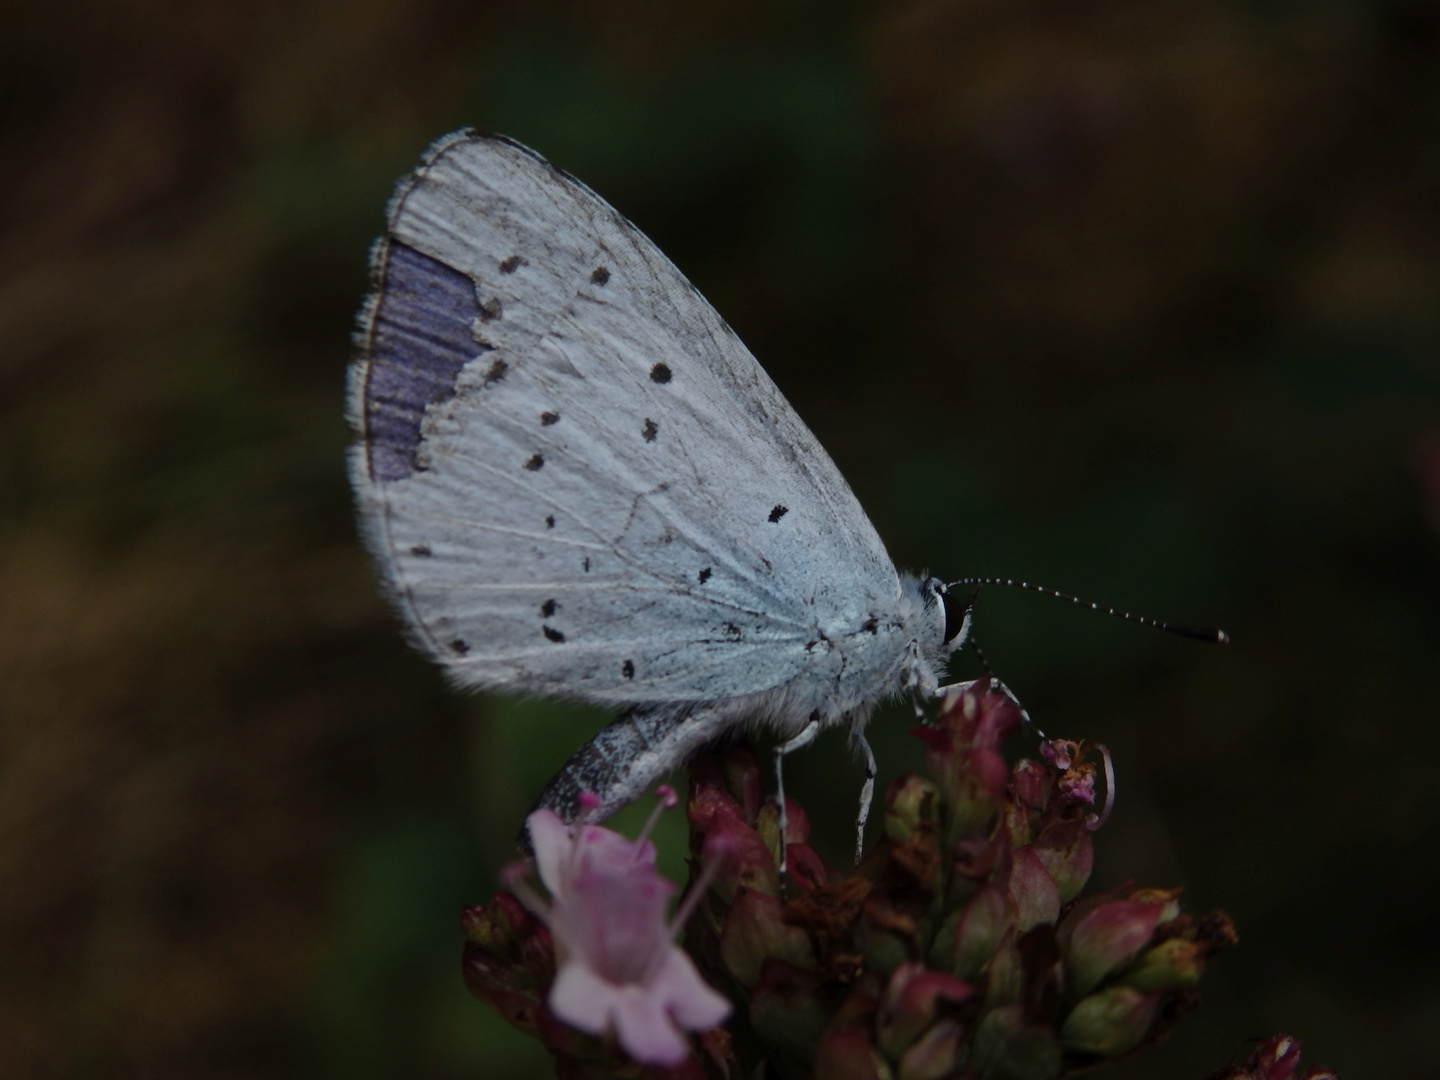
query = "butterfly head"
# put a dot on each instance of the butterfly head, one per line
(946, 621)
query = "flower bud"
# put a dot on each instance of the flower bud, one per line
(983, 859)
(977, 791)
(1111, 1022)
(748, 862)
(805, 867)
(962, 754)
(1036, 896)
(754, 931)
(1078, 785)
(709, 786)
(1097, 941)
(934, 1055)
(508, 960)
(1172, 965)
(508, 930)
(978, 931)
(1030, 785)
(910, 802)
(1068, 854)
(502, 988)
(788, 1009)
(1004, 973)
(1168, 899)
(797, 824)
(1007, 1045)
(848, 1054)
(911, 1002)
(993, 715)
(1277, 1058)
(1059, 752)
(741, 770)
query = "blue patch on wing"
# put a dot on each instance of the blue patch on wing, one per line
(420, 340)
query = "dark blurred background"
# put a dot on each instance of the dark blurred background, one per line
(1137, 298)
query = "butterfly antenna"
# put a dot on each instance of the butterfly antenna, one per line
(1199, 633)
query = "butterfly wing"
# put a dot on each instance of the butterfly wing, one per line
(577, 481)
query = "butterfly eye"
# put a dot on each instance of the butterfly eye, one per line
(956, 612)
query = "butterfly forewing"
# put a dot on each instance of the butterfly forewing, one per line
(576, 478)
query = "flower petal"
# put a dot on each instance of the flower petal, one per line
(598, 844)
(682, 991)
(551, 839)
(582, 999)
(646, 1031)
(616, 921)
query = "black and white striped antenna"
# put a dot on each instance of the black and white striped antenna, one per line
(1215, 636)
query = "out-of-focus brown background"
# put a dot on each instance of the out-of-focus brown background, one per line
(1139, 298)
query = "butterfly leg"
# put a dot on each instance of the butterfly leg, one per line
(1024, 715)
(1002, 688)
(919, 708)
(867, 794)
(799, 742)
(959, 687)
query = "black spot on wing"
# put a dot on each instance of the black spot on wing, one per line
(496, 371)
(548, 418)
(460, 646)
(548, 608)
(600, 276)
(660, 373)
(549, 521)
(553, 634)
(421, 551)
(585, 562)
(704, 575)
(650, 430)
(510, 265)
(778, 512)
(628, 669)
(491, 309)
(419, 340)
(535, 463)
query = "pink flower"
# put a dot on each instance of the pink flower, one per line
(1277, 1058)
(619, 966)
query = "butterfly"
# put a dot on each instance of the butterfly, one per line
(578, 483)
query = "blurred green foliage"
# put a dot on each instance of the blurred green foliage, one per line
(1135, 299)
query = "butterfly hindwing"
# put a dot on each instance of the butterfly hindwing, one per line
(576, 478)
